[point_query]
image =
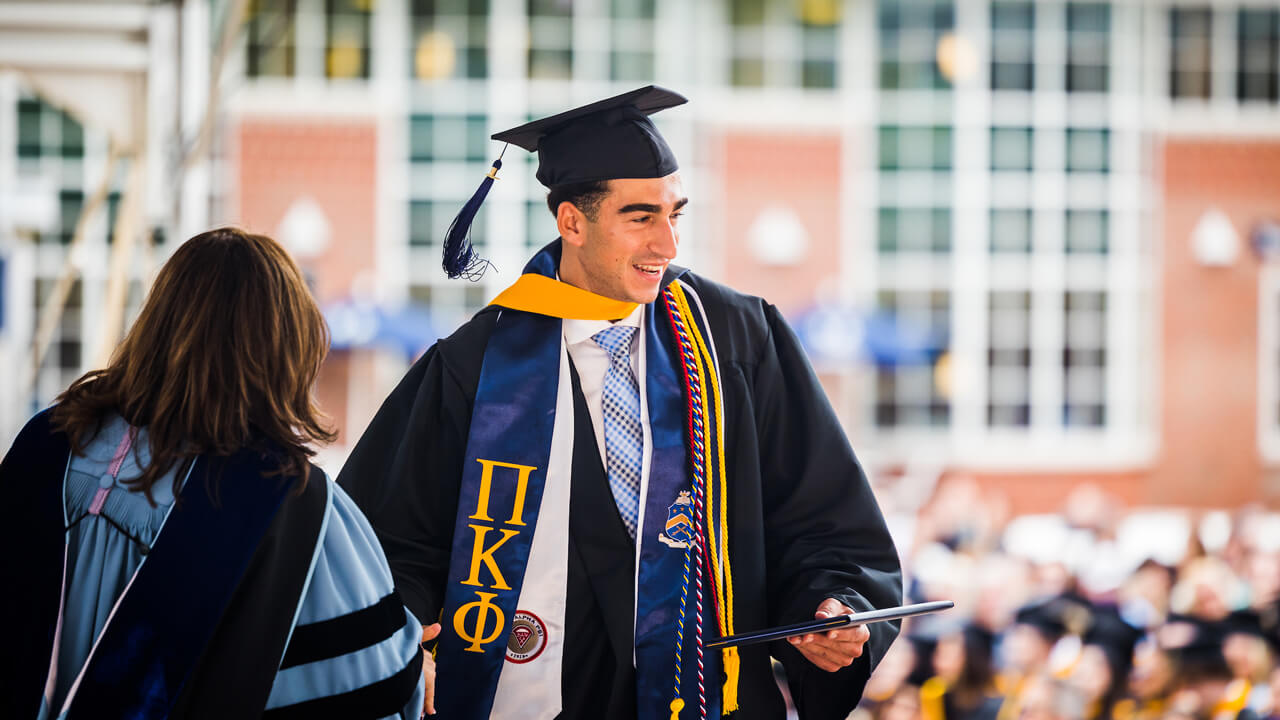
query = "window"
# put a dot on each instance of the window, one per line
(1010, 230)
(271, 38)
(821, 48)
(1088, 47)
(915, 148)
(30, 128)
(449, 39)
(1086, 231)
(1084, 359)
(1011, 149)
(421, 229)
(449, 137)
(64, 354)
(1258, 49)
(1088, 150)
(909, 32)
(429, 220)
(70, 203)
(746, 20)
(755, 27)
(1191, 52)
(906, 393)
(915, 230)
(550, 39)
(1012, 46)
(113, 212)
(631, 57)
(46, 131)
(346, 47)
(1009, 359)
(450, 304)
(540, 227)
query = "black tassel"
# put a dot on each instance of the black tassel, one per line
(460, 258)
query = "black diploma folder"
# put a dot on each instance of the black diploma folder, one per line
(831, 623)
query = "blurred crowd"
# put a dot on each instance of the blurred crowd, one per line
(1091, 613)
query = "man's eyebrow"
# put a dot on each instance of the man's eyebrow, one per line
(649, 207)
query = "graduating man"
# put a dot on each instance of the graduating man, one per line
(618, 462)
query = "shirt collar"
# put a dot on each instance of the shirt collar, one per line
(576, 331)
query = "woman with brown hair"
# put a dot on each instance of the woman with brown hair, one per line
(179, 554)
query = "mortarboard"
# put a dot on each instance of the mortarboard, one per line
(1195, 645)
(606, 140)
(1065, 614)
(1114, 637)
(1253, 623)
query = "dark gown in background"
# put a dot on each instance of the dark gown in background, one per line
(803, 524)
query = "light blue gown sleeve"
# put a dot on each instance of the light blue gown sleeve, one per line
(354, 644)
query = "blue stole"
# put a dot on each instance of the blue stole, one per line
(173, 605)
(508, 448)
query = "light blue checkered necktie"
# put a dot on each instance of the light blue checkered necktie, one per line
(623, 438)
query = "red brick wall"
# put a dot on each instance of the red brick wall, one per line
(800, 172)
(1048, 492)
(334, 162)
(1209, 328)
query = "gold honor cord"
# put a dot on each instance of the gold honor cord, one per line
(547, 296)
(717, 505)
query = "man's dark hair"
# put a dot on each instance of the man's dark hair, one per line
(585, 196)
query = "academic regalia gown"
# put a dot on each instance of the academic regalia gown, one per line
(271, 601)
(803, 523)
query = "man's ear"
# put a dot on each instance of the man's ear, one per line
(572, 224)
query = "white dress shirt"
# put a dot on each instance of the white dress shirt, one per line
(592, 362)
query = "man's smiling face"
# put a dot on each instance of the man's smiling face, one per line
(623, 252)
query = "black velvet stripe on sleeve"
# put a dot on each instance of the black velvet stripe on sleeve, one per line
(383, 698)
(346, 633)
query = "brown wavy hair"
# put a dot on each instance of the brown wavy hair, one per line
(222, 357)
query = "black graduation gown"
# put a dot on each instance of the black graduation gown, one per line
(803, 524)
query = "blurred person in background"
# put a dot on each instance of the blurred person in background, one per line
(1144, 596)
(1273, 708)
(893, 672)
(1026, 647)
(1150, 682)
(1207, 588)
(1106, 655)
(263, 586)
(963, 686)
(1204, 685)
(1250, 651)
(1045, 698)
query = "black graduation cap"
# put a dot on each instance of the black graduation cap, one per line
(1039, 616)
(606, 140)
(1253, 623)
(1114, 637)
(1195, 645)
(1065, 614)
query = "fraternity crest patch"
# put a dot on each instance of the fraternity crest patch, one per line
(678, 532)
(528, 637)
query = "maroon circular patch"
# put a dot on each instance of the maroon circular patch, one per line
(528, 637)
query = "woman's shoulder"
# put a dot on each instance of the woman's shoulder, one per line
(351, 570)
(36, 431)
